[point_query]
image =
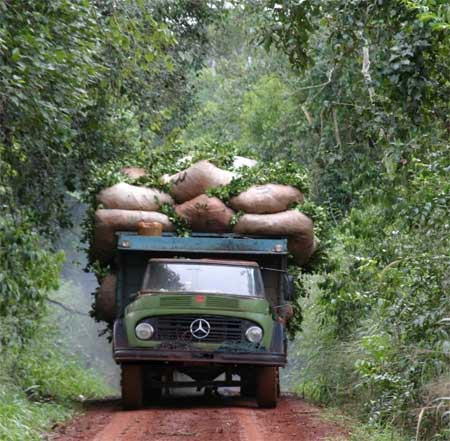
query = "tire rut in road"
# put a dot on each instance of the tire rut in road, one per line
(185, 420)
(174, 424)
(248, 423)
(118, 425)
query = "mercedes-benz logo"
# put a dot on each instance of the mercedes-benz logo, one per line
(200, 328)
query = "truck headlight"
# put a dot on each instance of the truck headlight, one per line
(144, 331)
(254, 334)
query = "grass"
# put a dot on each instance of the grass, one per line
(22, 419)
(42, 384)
(359, 431)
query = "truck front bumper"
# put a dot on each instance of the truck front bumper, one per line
(172, 353)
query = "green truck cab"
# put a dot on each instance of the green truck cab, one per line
(212, 307)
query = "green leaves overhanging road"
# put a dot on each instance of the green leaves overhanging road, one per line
(354, 91)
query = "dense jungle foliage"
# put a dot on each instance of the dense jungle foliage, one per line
(81, 83)
(356, 92)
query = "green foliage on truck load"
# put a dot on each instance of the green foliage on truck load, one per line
(280, 172)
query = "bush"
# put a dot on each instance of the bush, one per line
(28, 270)
(24, 420)
(41, 384)
(383, 339)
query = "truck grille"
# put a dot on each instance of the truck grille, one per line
(222, 303)
(186, 300)
(177, 328)
(175, 301)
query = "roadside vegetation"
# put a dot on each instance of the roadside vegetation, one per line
(43, 385)
(355, 92)
(81, 83)
(358, 430)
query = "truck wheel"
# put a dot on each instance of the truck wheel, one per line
(278, 383)
(132, 390)
(267, 390)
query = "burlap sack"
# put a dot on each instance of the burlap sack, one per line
(131, 197)
(302, 247)
(196, 179)
(206, 214)
(134, 172)
(241, 161)
(105, 299)
(298, 227)
(107, 222)
(269, 198)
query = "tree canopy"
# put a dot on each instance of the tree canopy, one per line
(354, 91)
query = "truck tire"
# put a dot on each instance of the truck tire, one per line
(132, 386)
(278, 383)
(267, 387)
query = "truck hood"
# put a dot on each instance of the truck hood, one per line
(196, 302)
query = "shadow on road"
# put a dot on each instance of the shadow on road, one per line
(180, 400)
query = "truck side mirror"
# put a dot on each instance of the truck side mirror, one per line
(288, 287)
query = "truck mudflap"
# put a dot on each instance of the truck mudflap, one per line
(185, 353)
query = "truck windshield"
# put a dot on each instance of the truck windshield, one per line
(203, 278)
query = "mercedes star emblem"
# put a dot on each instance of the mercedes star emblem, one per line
(200, 328)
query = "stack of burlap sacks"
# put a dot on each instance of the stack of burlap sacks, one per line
(265, 209)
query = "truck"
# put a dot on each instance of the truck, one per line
(213, 307)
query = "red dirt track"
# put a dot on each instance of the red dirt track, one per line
(200, 419)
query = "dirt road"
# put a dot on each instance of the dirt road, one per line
(200, 419)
